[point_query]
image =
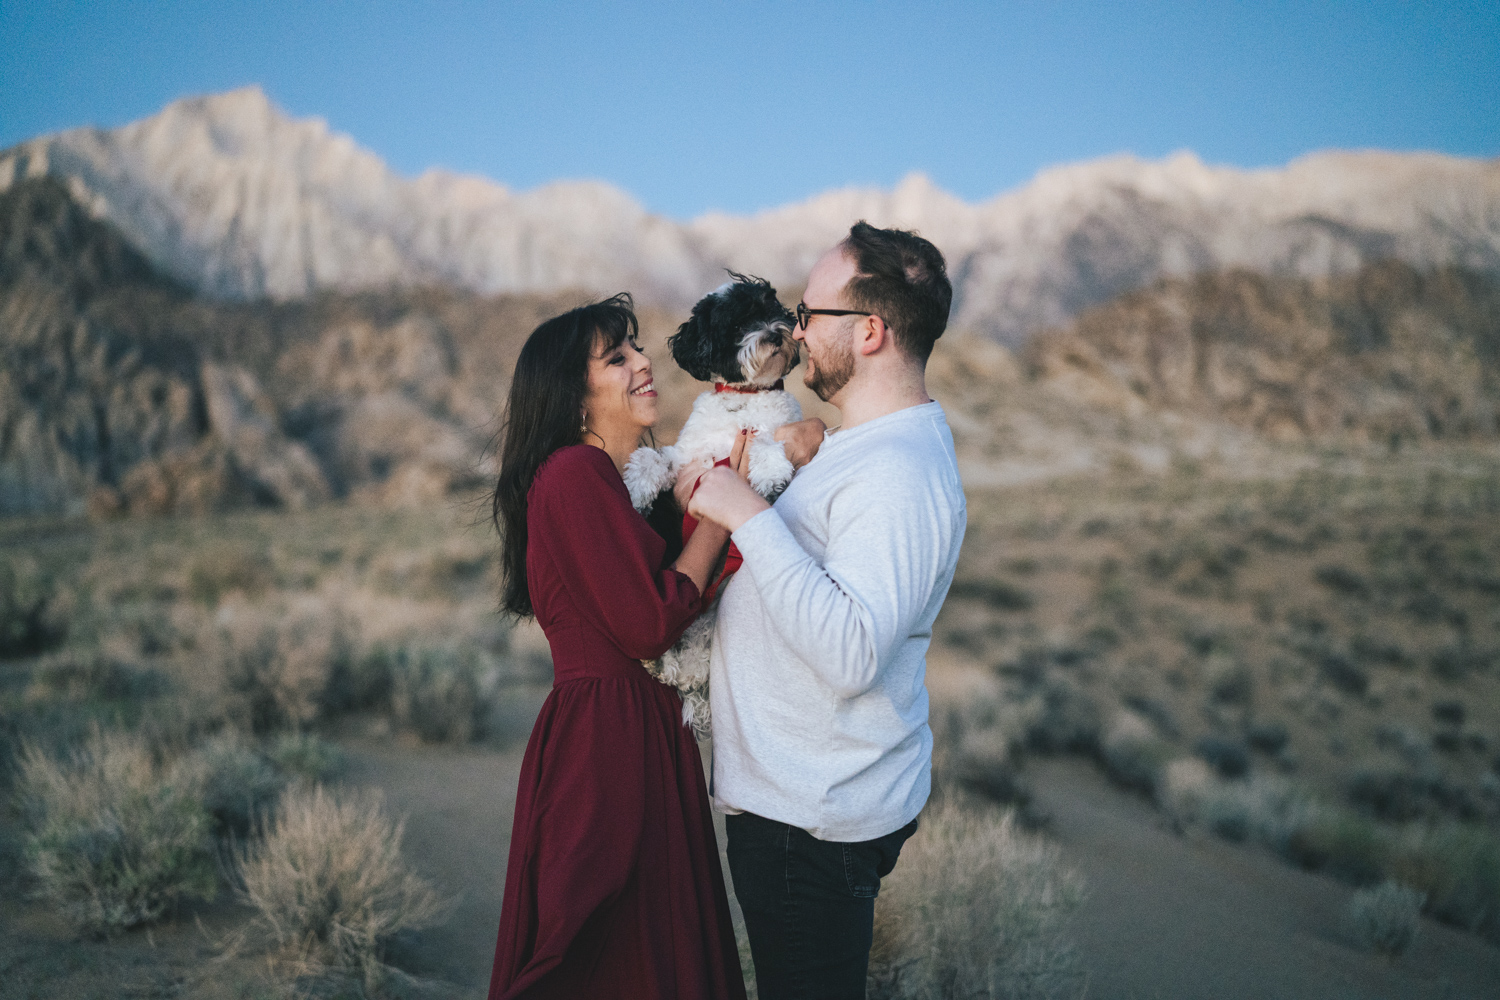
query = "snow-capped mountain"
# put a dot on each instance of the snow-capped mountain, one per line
(238, 200)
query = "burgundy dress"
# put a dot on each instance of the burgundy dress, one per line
(613, 887)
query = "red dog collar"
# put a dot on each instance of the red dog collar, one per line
(721, 387)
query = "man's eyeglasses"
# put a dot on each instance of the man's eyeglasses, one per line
(804, 314)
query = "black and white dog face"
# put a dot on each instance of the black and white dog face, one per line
(740, 334)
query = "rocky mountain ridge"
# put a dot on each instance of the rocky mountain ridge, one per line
(236, 200)
(122, 392)
(1390, 354)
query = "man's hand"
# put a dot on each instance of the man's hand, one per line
(801, 440)
(724, 495)
(725, 499)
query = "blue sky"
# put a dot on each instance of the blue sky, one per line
(739, 107)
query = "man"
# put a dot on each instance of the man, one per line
(822, 753)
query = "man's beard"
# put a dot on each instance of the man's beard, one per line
(832, 370)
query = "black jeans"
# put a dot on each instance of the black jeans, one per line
(809, 905)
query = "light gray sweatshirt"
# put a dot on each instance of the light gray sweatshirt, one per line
(819, 654)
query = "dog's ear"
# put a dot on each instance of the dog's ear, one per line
(692, 345)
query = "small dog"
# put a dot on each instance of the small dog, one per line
(740, 338)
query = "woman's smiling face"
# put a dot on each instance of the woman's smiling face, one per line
(621, 395)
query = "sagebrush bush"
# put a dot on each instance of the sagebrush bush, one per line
(222, 569)
(1386, 918)
(974, 909)
(305, 756)
(1134, 755)
(236, 782)
(437, 693)
(328, 882)
(114, 837)
(31, 618)
(1458, 866)
(1264, 808)
(274, 667)
(92, 674)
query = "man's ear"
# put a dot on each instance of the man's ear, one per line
(872, 335)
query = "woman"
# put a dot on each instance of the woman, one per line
(613, 887)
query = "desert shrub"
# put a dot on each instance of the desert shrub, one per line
(1343, 673)
(1269, 736)
(1450, 713)
(31, 619)
(974, 909)
(1385, 918)
(362, 682)
(983, 762)
(1062, 718)
(1229, 681)
(1457, 661)
(1155, 712)
(1458, 866)
(274, 667)
(305, 756)
(1404, 740)
(1398, 796)
(1343, 580)
(1228, 757)
(1133, 754)
(1266, 809)
(222, 569)
(114, 837)
(998, 594)
(90, 674)
(1342, 842)
(436, 693)
(329, 884)
(236, 782)
(1372, 650)
(1206, 641)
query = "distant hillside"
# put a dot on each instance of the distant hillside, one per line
(236, 200)
(122, 392)
(119, 392)
(1390, 353)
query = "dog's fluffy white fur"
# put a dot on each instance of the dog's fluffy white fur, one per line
(709, 433)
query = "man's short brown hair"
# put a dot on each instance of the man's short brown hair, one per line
(903, 279)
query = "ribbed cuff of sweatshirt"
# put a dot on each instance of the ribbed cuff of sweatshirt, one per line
(768, 545)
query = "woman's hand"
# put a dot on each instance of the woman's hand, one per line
(687, 478)
(701, 553)
(801, 439)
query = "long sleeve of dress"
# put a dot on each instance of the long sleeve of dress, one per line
(607, 555)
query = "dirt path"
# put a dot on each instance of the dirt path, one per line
(1166, 918)
(1181, 919)
(459, 805)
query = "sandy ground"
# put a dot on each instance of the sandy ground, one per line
(459, 805)
(1166, 917)
(1181, 919)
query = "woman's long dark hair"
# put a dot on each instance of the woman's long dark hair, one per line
(544, 413)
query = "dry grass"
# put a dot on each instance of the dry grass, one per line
(974, 909)
(1306, 660)
(273, 665)
(115, 836)
(1386, 918)
(32, 613)
(329, 884)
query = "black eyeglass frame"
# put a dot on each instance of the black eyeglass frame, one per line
(804, 313)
